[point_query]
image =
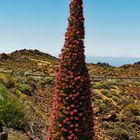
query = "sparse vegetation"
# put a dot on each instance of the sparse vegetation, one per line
(11, 112)
(116, 102)
(25, 88)
(8, 81)
(118, 109)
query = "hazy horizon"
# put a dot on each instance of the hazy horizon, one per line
(113, 61)
(56, 55)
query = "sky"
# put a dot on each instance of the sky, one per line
(112, 27)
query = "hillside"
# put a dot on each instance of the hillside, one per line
(26, 84)
(28, 61)
(34, 61)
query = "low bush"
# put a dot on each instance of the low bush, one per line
(121, 130)
(26, 89)
(96, 95)
(106, 93)
(11, 111)
(8, 81)
(114, 93)
(49, 80)
(115, 99)
(132, 110)
(125, 101)
(103, 85)
(121, 134)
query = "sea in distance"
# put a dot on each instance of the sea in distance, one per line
(113, 61)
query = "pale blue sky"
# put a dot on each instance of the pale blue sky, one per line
(112, 26)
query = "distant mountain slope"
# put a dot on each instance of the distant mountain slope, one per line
(34, 61)
(34, 54)
(30, 61)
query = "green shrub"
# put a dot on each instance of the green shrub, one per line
(102, 106)
(96, 95)
(107, 101)
(121, 130)
(115, 99)
(132, 125)
(106, 125)
(18, 93)
(24, 88)
(122, 93)
(95, 85)
(106, 93)
(45, 81)
(11, 112)
(98, 102)
(121, 134)
(114, 93)
(108, 106)
(49, 80)
(8, 81)
(125, 101)
(32, 82)
(132, 110)
(103, 85)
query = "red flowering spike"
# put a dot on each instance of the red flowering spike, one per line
(72, 113)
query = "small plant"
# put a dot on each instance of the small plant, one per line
(132, 109)
(11, 112)
(49, 81)
(115, 99)
(121, 134)
(24, 88)
(106, 93)
(106, 85)
(97, 95)
(8, 81)
(125, 101)
(114, 93)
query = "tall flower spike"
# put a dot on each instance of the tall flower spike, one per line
(72, 114)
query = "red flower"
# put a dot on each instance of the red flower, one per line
(71, 113)
(68, 108)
